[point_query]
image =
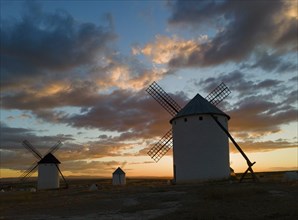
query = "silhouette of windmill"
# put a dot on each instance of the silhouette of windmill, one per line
(199, 137)
(48, 167)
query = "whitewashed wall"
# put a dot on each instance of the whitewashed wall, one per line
(200, 149)
(48, 176)
(119, 179)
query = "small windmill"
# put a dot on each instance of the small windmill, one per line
(199, 136)
(48, 167)
(118, 177)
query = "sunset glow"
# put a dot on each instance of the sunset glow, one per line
(77, 71)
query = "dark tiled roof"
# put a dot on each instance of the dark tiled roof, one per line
(49, 158)
(199, 105)
(119, 171)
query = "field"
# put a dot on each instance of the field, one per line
(155, 199)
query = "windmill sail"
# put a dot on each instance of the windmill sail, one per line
(29, 147)
(27, 173)
(49, 158)
(55, 148)
(163, 98)
(161, 147)
(165, 143)
(218, 94)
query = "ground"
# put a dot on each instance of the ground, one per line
(154, 199)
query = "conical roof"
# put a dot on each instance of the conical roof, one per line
(198, 105)
(49, 158)
(119, 171)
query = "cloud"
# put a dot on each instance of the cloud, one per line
(241, 28)
(125, 72)
(90, 168)
(16, 156)
(17, 160)
(125, 111)
(263, 146)
(272, 63)
(241, 83)
(135, 117)
(261, 106)
(51, 54)
(78, 93)
(164, 49)
(139, 121)
(258, 116)
(12, 137)
(40, 44)
(50, 61)
(120, 110)
(82, 155)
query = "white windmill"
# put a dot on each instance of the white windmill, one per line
(48, 168)
(199, 136)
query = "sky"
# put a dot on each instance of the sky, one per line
(77, 71)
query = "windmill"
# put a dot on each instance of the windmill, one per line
(199, 137)
(118, 177)
(48, 167)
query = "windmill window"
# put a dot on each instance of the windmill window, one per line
(200, 118)
(185, 119)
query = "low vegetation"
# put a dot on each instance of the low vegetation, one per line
(154, 199)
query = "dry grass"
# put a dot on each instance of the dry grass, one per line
(155, 199)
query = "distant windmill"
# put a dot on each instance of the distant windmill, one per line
(48, 167)
(199, 136)
(118, 177)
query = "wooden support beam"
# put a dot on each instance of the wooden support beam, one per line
(254, 177)
(249, 163)
(66, 184)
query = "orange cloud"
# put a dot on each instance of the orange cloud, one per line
(165, 48)
(262, 146)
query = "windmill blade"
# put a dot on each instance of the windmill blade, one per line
(163, 98)
(161, 147)
(218, 94)
(66, 184)
(27, 173)
(29, 147)
(55, 147)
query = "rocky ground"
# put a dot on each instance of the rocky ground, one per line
(154, 199)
